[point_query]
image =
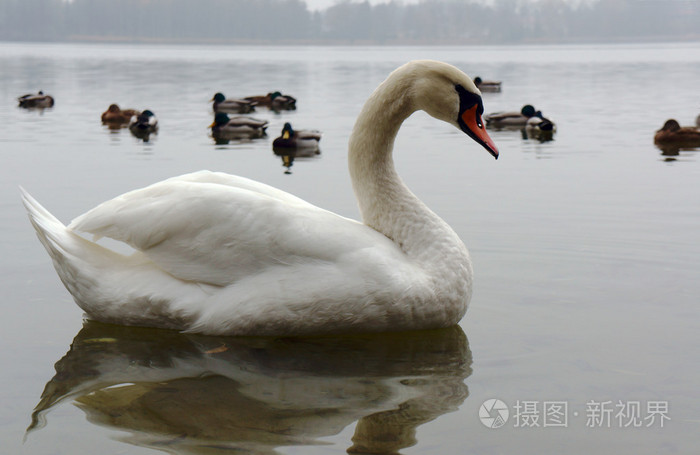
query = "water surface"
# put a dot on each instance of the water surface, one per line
(585, 251)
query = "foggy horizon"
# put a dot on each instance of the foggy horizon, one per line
(350, 22)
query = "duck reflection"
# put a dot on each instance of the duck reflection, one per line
(527, 133)
(197, 394)
(289, 155)
(538, 134)
(672, 152)
(673, 138)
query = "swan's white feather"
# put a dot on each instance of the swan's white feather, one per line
(183, 277)
(180, 223)
(221, 254)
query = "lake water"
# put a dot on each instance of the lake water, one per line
(584, 320)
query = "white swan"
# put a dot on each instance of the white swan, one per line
(221, 254)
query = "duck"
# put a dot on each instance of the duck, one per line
(672, 133)
(274, 100)
(232, 106)
(540, 127)
(39, 100)
(487, 86)
(115, 115)
(510, 119)
(226, 127)
(297, 139)
(220, 254)
(143, 124)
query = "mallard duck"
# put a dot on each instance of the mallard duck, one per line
(297, 139)
(221, 254)
(539, 128)
(226, 127)
(672, 133)
(143, 124)
(540, 123)
(510, 119)
(487, 86)
(39, 100)
(232, 106)
(274, 100)
(115, 115)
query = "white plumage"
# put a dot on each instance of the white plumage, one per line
(222, 254)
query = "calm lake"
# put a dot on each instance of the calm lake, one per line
(584, 323)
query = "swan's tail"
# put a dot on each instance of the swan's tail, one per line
(107, 285)
(76, 259)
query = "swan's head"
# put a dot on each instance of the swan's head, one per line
(448, 94)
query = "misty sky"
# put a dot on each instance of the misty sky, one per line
(400, 22)
(315, 5)
(323, 4)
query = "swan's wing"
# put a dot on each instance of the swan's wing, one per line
(235, 181)
(217, 229)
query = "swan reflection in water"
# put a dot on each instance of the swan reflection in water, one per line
(194, 394)
(289, 155)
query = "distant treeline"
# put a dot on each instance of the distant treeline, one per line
(289, 21)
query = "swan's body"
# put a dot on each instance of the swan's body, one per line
(221, 254)
(39, 100)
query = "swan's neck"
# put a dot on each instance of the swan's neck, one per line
(386, 204)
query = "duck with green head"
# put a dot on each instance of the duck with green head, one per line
(237, 127)
(143, 125)
(39, 100)
(274, 100)
(511, 118)
(145, 121)
(487, 86)
(297, 139)
(232, 106)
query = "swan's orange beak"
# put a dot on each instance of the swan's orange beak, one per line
(474, 127)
